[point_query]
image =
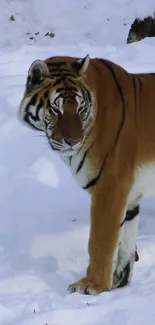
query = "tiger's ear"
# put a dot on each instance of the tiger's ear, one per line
(82, 64)
(37, 72)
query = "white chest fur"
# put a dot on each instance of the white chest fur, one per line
(143, 187)
(79, 167)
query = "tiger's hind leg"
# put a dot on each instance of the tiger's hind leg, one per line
(127, 254)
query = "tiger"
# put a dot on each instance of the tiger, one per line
(100, 119)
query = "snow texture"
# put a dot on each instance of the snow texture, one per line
(44, 215)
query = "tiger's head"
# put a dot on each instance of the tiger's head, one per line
(58, 101)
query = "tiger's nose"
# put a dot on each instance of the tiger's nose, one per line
(71, 142)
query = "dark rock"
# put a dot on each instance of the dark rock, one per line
(141, 29)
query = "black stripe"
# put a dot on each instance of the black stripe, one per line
(130, 215)
(107, 64)
(28, 79)
(58, 81)
(77, 95)
(125, 276)
(35, 117)
(83, 160)
(55, 75)
(62, 70)
(57, 64)
(69, 74)
(59, 89)
(74, 89)
(134, 87)
(72, 81)
(89, 96)
(48, 103)
(126, 272)
(62, 75)
(68, 71)
(33, 100)
(56, 70)
(92, 182)
(95, 179)
(83, 93)
(140, 83)
(26, 119)
(87, 114)
(96, 68)
(63, 91)
(59, 96)
(46, 94)
(39, 106)
(136, 256)
(70, 160)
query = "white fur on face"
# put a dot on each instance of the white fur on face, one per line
(29, 115)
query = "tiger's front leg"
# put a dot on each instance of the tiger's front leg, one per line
(108, 207)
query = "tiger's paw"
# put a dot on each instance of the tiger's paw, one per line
(123, 274)
(84, 286)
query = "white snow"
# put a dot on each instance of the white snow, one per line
(44, 215)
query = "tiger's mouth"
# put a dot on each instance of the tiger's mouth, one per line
(63, 148)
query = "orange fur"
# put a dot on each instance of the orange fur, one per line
(121, 139)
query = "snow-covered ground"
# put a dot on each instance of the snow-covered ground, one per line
(44, 215)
